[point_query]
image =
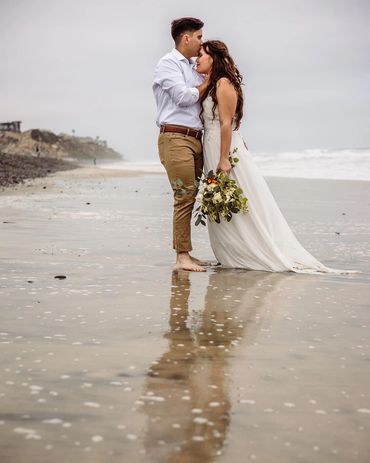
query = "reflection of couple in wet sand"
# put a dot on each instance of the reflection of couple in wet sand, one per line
(186, 398)
(200, 107)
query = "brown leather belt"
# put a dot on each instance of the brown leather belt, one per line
(181, 129)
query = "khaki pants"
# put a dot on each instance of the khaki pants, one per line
(181, 156)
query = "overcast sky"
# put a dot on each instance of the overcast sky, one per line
(88, 65)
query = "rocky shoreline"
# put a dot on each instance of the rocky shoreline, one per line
(14, 169)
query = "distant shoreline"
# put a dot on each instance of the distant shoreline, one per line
(37, 153)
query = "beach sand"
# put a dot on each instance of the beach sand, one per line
(124, 360)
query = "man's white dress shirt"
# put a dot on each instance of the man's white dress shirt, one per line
(174, 90)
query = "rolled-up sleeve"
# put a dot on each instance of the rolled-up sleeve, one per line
(169, 77)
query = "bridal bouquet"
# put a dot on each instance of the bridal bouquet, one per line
(219, 197)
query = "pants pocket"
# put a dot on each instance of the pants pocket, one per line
(161, 149)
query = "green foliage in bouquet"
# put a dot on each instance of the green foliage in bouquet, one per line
(219, 196)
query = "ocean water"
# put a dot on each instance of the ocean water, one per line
(346, 164)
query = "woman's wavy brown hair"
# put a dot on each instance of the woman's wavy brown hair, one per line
(223, 66)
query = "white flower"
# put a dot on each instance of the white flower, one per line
(228, 195)
(217, 198)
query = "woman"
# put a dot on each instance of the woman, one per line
(260, 239)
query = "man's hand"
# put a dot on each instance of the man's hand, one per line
(224, 166)
(206, 78)
(203, 87)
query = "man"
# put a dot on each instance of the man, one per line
(177, 89)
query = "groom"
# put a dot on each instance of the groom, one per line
(177, 89)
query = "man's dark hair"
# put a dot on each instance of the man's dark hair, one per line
(179, 26)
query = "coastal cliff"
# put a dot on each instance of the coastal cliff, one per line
(43, 143)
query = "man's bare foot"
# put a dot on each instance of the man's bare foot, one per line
(203, 263)
(185, 262)
(198, 262)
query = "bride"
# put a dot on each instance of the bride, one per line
(260, 239)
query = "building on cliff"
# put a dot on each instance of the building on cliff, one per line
(14, 126)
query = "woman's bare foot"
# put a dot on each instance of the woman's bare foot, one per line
(185, 262)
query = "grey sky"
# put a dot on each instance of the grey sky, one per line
(88, 65)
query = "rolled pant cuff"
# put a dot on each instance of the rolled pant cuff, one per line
(182, 248)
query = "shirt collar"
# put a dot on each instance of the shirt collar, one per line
(181, 57)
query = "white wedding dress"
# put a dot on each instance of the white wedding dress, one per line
(259, 239)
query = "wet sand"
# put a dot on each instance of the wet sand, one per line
(125, 360)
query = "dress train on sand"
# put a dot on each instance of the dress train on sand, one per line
(260, 239)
